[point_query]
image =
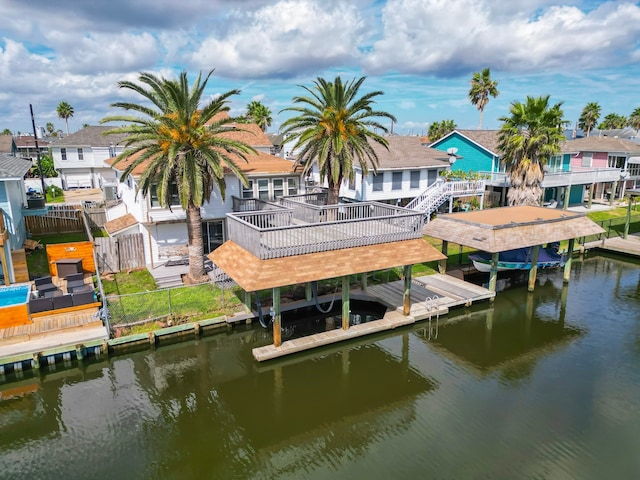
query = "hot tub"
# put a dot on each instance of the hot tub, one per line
(13, 305)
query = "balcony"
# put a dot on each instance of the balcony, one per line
(298, 228)
(577, 176)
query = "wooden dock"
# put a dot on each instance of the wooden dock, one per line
(629, 246)
(431, 297)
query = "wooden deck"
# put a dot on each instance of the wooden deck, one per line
(630, 246)
(431, 296)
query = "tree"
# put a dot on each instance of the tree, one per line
(634, 120)
(613, 121)
(51, 129)
(333, 127)
(589, 116)
(259, 114)
(527, 139)
(6, 131)
(65, 111)
(482, 87)
(181, 146)
(48, 168)
(438, 129)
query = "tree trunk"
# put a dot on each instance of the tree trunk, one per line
(334, 193)
(196, 249)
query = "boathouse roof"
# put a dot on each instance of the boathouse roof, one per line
(253, 274)
(507, 228)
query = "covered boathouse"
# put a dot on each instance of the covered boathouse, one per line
(507, 228)
(301, 240)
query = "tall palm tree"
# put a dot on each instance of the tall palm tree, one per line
(333, 127)
(634, 120)
(50, 128)
(482, 87)
(589, 116)
(527, 139)
(259, 114)
(65, 111)
(613, 121)
(437, 130)
(181, 146)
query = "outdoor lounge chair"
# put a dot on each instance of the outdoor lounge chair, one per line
(40, 305)
(75, 280)
(83, 298)
(44, 284)
(63, 301)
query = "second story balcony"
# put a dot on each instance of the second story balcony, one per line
(576, 176)
(296, 226)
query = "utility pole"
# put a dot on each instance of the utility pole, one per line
(35, 139)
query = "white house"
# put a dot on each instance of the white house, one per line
(165, 230)
(82, 158)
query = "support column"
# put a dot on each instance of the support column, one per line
(277, 324)
(406, 296)
(628, 220)
(567, 265)
(565, 203)
(363, 281)
(346, 310)
(247, 301)
(613, 193)
(493, 275)
(307, 291)
(5, 268)
(535, 251)
(592, 191)
(442, 264)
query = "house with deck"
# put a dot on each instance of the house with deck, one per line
(82, 158)
(165, 230)
(565, 181)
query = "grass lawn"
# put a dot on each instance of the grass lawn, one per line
(123, 283)
(37, 261)
(54, 198)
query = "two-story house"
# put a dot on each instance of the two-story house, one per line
(12, 201)
(26, 146)
(165, 229)
(565, 181)
(82, 158)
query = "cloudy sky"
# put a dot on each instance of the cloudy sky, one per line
(421, 53)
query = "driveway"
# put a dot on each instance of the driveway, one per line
(83, 194)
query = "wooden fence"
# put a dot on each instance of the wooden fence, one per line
(59, 219)
(124, 252)
(96, 216)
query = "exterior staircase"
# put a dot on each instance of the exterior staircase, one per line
(441, 191)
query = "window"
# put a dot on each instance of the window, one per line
(247, 192)
(555, 163)
(278, 187)
(377, 182)
(80, 154)
(63, 152)
(212, 235)
(415, 179)
(615, 162)
(292, 186)
(174, 199)
(396, 181)
(587, 158)
(352, 182)
(263, 188)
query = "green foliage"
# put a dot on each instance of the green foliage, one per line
(482, 87)
(462, 175)
(54, 194)
(37, 262)
(128, 282)
(589, 116)
(634, 119)
(48, 169)
(439, 129)
(6, 131)
(613, 121)
(333, 126)
(65, 111)
(259, 114)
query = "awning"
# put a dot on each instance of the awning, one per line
(633, 160)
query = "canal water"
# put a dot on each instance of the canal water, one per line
(543, 385)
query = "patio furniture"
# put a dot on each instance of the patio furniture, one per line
(83, 298)
(44, 284)
(75, 280)
(68, 266)
(62, 301)
(52, 293)
(85, 287)
(40, 305)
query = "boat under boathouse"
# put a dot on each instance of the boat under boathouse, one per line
(300, 240)
(498, 230)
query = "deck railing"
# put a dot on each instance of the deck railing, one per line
(577, 176)
(273, 234)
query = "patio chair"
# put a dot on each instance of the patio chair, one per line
(75, 280)
(63, 301)
(40, 305)
(83, 298)
(85, 287)
(51, 293)
(44, 284)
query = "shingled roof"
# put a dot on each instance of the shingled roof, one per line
(488, 139)
(408, 152)
(13, 167)
(601, 144)
(92, 136)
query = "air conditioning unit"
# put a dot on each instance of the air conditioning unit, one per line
(110, 192)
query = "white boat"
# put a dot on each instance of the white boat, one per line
(518, 259)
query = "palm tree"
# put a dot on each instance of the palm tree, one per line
(333, 128)
(259, 114)
(527, 139)
(589, 116)
(634, 120)
(437, 129)
(6, 131)
(50, 128)
(181, 146)
(613, 121)
(65, 111)
(482, 87)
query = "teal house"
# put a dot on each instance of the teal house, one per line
(564, 185)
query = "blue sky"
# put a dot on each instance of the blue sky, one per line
(421, 53)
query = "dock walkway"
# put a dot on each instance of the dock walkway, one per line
(629, 246)
(431, 297)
